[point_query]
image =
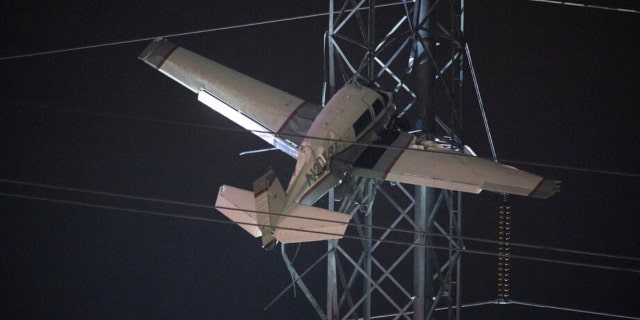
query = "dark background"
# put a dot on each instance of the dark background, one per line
(560, 85)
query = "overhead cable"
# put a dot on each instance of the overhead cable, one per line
(546, 306)
(389, 241)
(586, 5)
(480, 104)
(208, 206)
(529, 304)
(179, 34)
(242, 130)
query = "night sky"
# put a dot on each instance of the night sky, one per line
(559, 84)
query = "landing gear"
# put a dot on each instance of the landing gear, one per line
(270, 245)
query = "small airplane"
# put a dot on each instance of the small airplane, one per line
(347, 137)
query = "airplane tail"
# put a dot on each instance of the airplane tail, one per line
(239, 206)
(307, 223)
(263, 213)
(270, 200)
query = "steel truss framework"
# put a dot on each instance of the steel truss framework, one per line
(407, 264)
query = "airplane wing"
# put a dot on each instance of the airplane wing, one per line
(275, 116)
(396, 157)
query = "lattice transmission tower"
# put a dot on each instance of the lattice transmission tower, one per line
(406, 263)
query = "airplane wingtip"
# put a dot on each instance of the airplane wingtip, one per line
(546, 188)
(156, 52)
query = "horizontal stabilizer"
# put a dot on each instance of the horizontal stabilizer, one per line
(239, 206)
(299, 223)
(306, 223)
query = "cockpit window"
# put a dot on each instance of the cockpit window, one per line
(378, 106)
(362, 122)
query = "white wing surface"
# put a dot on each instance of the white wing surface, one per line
(396, 157)
(275, 116)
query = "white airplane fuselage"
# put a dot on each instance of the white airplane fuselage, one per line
(350, 116)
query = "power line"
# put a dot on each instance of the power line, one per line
(203, 206)
(586, 5)
(529, 304)
(347, 236)
(172, 35)
(180, 34)
(597, 171)
(241, 130)
(572, 168)
(292, 19)
(103, 193)
(546, 306)
(412, 232)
